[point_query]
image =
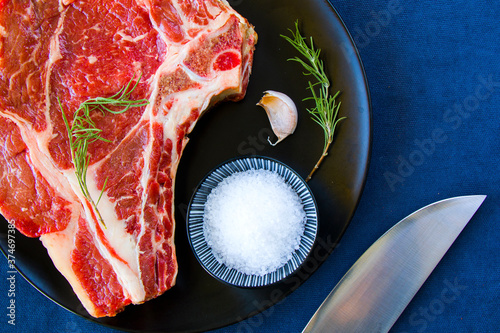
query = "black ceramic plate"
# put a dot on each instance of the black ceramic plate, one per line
(199, 302)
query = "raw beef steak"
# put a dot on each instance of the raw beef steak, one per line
(188, 54)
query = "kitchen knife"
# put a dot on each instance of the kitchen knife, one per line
(378, 287)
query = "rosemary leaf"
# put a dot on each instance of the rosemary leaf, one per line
(84, 131)
(326, 109)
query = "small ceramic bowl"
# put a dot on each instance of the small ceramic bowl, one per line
(195, 220)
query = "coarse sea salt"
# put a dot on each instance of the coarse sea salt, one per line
(253, 221)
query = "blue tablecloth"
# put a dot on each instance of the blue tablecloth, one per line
(433, 69)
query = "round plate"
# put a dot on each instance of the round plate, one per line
(198, 302)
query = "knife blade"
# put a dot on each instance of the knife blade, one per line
(378, 287)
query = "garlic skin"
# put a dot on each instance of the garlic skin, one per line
(282, 114)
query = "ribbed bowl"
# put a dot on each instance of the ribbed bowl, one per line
(196, 212)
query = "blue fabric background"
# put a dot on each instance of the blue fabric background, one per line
(434, 75)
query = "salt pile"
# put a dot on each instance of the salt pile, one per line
(253, 221)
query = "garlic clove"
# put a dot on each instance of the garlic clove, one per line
(282, 114)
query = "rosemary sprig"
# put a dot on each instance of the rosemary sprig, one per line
(83, 131)
(326, 109)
